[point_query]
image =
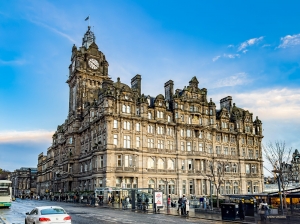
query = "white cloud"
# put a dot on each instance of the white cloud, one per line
(13, 62)
(230, 46)
(249, 42)
(289, 41)
(231, 56)
(272, 104)
(216, 58)
(237, 79)
(26, 136)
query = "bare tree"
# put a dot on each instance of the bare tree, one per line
(217, 177)
(279, 157)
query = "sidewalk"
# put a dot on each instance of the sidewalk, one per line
(200, 214)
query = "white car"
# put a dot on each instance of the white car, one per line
(47, 214)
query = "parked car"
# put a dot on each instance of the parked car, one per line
(47, 214)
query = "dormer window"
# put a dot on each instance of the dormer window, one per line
(159, 103)
(126, 97)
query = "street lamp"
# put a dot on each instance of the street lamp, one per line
(279, 188)
(210, 190)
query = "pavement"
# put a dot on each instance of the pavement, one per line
(203, 214)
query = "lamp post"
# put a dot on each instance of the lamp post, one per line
(210, 191)
(279, 187)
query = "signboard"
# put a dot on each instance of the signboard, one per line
(158, 199)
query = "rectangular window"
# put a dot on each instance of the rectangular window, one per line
(233, 151)
(210, 149)
(182, 133)
(191, 187)
(182, 146)
(188, 146)
(128, 161)
(115, 139)
(226, 152)
(137, 142)
(218, 149)
(244, 152)
(101, 161)
(160, 144)
(150, 143)
(253, 169)
(211, 121)
(256, 154)
(115, 124)
(126, 141)
(210, 112)
(201, 147)
(247, 168)
(169, 119)
(137, 126)
(188, 133)
(190, 164)
(119, 162)
(183, 187)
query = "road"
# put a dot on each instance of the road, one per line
(82, 214)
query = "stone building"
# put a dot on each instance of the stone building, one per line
(24, 181)
(116, 136)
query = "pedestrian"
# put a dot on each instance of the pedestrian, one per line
(179, 204)
(263, 210)
(127, 202)
(169, 202)
(187, 206)
(147, 202)
(241, 210)
(204, 202)
(183, 208)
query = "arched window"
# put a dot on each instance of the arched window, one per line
(160, 164)
(150, 163)
(161, 185)
(151, 184)
(171, 187)
(227, 187)
(235, 188)
(171, 164)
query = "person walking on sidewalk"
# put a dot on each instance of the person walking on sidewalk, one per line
(187, 206)
(204, 202)
(263, 210)
(179, 204)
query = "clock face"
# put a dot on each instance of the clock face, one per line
(93, 63)
(73, 66)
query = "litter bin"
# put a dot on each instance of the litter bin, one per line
(229, 211)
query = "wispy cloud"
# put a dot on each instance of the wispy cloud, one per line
(230, 46)
(26, 136)
(289, 41)
(13, 62)
(216, 58)
(231, 56)
(234, 80)
(249, 42)
(53, 30)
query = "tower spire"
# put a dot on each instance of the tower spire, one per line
(88, 38)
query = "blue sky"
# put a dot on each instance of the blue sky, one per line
(248, 50)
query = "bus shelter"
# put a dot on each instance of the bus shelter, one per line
(138, 197)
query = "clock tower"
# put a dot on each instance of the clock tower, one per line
(87, 71)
